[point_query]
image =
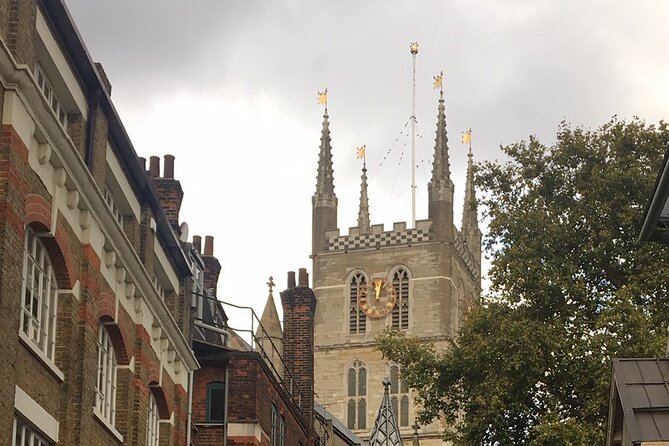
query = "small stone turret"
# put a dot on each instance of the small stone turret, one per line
(269, 337)
(440, 187)
(324, 201)
(363, 213)
(470, 222)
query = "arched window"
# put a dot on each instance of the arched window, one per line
(38, 315)
(215, 403)
(152, 422)
(400, 313)
(105, 389)
(357, 395)
(357, 319)
(399, 396)
(275, 419)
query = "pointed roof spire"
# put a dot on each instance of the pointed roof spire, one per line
(363, 212)
(270, 321)
(325, 177)
(385, 431)
(469, 211)
(440, 166)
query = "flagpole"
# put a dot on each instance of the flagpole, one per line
(414, 51)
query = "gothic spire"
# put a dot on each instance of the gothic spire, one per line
(440, 166)
(269, 336)
(385, 432)
(325, 177)
(469, 211)
(363, 212)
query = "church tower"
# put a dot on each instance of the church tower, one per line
(432, 270)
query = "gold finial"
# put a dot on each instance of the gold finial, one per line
(467, 139)
(413, 47)
(439, 81)
(360, 152)
(270, 284)
(323, 98)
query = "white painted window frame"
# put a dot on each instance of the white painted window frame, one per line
(105, 388)
(39, 296)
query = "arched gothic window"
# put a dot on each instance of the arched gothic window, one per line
(38, 315)
(105, 389)
(399, 396)
(357, 396)
(357, 319)
(400, 313)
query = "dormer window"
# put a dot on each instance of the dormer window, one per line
(46, 87)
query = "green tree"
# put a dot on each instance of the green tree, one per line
(570, 288)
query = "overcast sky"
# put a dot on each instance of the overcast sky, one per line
(229, 88)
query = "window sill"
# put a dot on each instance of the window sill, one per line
(39, 354)
(108, 425)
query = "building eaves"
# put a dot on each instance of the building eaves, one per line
(59, 17)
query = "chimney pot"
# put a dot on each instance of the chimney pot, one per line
(291, 280)
(154, 167)
(197, 242)
(208, 245)
(303, 278)
(142, 162)
(169, 166)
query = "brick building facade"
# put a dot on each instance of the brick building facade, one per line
(95, 319)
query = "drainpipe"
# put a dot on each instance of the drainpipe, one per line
(90, 129)
(225, 405)
(190, 407)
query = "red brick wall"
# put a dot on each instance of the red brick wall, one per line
(251, 393)
(299, 305)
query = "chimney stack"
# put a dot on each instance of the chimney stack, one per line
(208, 245)
(303, 278)
(299, 306)
(142, 162)
(197, 242)
(169, 167)
(169, 190)
(212, 267)
(154, 167)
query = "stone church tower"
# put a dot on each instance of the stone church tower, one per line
(434, 268)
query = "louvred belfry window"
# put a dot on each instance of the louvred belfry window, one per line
(357, 396)
(357, 318)
(400, 314)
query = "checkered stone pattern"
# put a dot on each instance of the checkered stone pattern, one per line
(391, 238)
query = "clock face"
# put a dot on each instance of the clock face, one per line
(377, 298)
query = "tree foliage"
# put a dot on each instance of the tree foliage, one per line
(570, 288)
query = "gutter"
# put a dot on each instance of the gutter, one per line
(63, 25)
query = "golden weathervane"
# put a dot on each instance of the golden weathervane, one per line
(439, 81)
(323, 98)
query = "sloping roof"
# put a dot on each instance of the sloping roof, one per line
(656, 214)
(344, 432)
(385, 431)
(643, 389)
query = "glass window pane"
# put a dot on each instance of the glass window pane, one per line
(350, 419)
(362, 412)
(362, 382)
(351, 382)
